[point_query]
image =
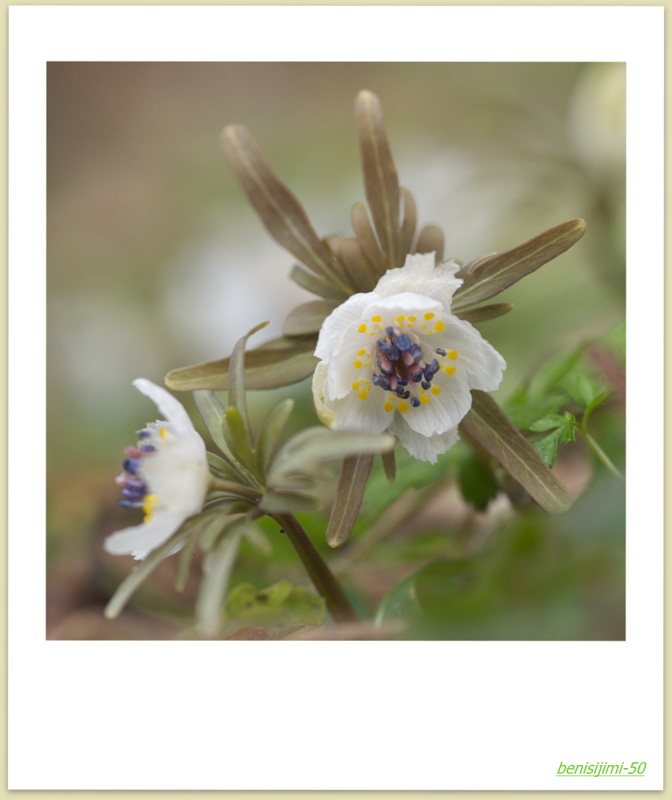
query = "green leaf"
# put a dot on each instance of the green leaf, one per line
(431, 240)
(309, 449)
(281, 604)
(240, 437)
(279, 210)
(348, 500)
(380, 176)
(407, 232)
(487, 424)
(140, 573)
(271, 430)
(307, 318)
(551, 374)
(184, 560)
(548, 422)
(491, 275)
(389, 465)
(594, 403)
(367, 238)
(548, 446)
(317, 286)
(274, 502)
(484, 313)
(279, 362)
(358, 271)
(477, 482)
(221, 468)
(236, 397)
(217, 567)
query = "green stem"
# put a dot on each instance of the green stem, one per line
(604, 458)
(320, 574)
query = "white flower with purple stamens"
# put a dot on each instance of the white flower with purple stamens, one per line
(397, 360)
(166, 475)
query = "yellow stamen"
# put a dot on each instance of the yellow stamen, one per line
(429, 315)
(403, 407)
(400, 319)
(376, 319)
(435, 390)
(355, 386)
(363, 395)
(358, 364)
(388, 406)
(440, 326)
(450, 369)
(362, 351)
(362, 328)
(424, 399)
(452, 354)
(412, 319)
(150, 501)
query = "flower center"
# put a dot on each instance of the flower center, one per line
(406, 365)
(134, 490)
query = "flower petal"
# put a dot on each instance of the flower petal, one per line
(355, 414)
(424, 448)
(340, 319)
(401, 304)
(140, 540)
(169, 406)
(352, 359)
(449, 401)
(178, 475)
(420, 275)
(482, 364)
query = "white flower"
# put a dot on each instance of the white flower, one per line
(396, 359)
(166, 474)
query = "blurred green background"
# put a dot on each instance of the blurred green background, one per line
(155, 261)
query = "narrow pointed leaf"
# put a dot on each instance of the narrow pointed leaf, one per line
(307, 318)
(279, 362)
(217, 567)
(380, 175)
(315, 285)
(494, 274)
(390, 466)
(240, 437)
(349, 493)
(280, 211)
(140, 573)
(271, 430)
(367, 237)
(487, 424)
(431, 240)
(288, 503)
(213, 411)
(407, 232)
(221, 468)
(237, 398)
(361, 275)
(483, 313)
(184, 560)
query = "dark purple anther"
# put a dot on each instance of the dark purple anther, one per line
(129, 504)
(131, 465)
(415, 402)
(403, 342)
(416, 352)
(417, 377)
(405, 395)
(132, 494)
(432, 369)
(143, 434)
(380, 380)
(403, 382)
(147, 448)
(440, 351)
(426, 385)
(389, 351)
(389, 330)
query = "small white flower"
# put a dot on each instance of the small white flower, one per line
(396, 359)
(166, 474)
